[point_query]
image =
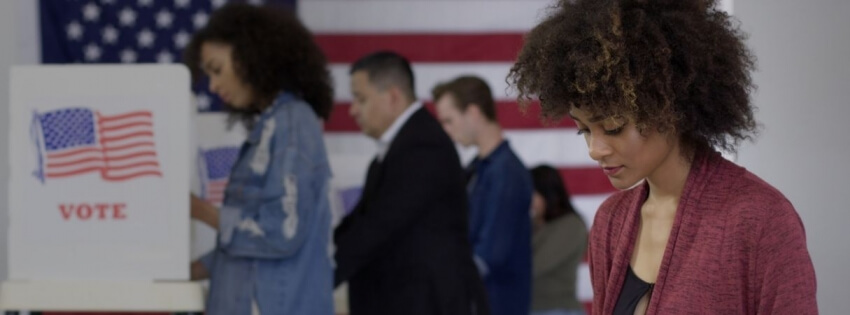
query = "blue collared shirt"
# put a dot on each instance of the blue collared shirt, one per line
(273, 242)
(500, 189)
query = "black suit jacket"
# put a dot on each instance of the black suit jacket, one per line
(404, 249)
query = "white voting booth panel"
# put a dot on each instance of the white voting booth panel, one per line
(102, 296)
(99, 184)
(99, 172)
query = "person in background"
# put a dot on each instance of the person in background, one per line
(499, 188)
(404, 247)
(559, 244)
(272, 253)
(656, 88)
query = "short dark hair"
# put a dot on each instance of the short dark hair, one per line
(272, 52)
(385, 69)
(550, 185)
(665, 64)
(468, 90)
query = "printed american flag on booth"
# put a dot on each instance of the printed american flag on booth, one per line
(78, 141)
(215, 165)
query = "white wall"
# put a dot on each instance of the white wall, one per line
(8, 51)
(27, 32)
(803, 50)
(19, 44)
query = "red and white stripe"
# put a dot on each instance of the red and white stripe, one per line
(73, 162)
(128, 145)
(215, 191)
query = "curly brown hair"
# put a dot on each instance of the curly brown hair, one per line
(664, 64)
(272, 52)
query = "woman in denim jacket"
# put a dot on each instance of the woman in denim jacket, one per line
(272, 253)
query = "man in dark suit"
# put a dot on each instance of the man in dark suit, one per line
(404, 248)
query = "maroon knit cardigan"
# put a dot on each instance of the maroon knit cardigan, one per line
(737, 246)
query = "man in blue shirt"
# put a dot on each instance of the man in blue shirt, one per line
(500, 189)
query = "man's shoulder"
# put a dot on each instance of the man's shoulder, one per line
(505, 163)
(422, 131)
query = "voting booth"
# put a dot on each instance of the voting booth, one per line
(101, 160)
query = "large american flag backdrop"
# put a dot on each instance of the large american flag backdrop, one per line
(443, 39)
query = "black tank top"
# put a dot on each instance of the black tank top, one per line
(633, 290)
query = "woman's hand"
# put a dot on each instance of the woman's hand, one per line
(198, 271)
(204, 211)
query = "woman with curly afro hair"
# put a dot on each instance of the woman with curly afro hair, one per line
(272, 254)
(656, 87)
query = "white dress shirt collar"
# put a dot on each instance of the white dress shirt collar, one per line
(388, 136)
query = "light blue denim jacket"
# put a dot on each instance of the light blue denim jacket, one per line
(274, 226)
